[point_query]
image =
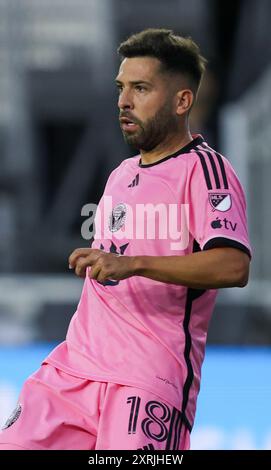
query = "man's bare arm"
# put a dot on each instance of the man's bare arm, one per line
(211, 269)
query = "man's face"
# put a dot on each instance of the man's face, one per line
(146, 103)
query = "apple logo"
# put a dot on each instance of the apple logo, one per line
(216, 223)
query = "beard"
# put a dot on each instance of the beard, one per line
(154, 130)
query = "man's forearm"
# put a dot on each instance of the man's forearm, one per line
(216, 268)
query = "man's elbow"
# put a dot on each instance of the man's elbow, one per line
(243, 280)
(242, 271)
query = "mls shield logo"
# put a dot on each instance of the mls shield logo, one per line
(220, 202)
(117, 218)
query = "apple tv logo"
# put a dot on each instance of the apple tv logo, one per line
(225, 223)
(216, 223)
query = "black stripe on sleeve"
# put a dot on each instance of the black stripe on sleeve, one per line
(221, 164)
(205, 169)
(223, 171)
(220, 242)
(211, 158)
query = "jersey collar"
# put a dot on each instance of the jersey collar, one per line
(197, 140)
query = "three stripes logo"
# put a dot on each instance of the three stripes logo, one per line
(134, 182)
(215, 177)
(214, 172)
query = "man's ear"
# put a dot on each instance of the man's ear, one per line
(184, 101)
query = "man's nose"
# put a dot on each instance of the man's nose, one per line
(125, 100)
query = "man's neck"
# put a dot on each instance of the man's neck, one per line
(167, 147)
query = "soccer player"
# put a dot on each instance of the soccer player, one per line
(128, 374)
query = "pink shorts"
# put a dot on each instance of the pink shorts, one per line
(59, 411)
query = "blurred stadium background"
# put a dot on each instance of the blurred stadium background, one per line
(59, 139)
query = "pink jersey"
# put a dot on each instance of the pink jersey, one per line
(138, 331)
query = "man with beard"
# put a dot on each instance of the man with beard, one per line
(128, 374)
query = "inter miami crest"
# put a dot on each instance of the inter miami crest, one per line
(220, 202)
(117, 218)
(13, 417)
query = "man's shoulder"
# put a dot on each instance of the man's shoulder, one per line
(206, 163)
(125, 166)
(131, 160)
(128, 162)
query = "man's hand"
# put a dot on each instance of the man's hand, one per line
(103, 265)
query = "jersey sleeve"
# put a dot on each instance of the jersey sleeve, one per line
(217, 206)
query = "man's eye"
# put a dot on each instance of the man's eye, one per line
(140, 88)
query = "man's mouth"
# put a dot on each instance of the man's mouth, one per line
(127, 124)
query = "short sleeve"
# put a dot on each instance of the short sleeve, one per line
(217, 206)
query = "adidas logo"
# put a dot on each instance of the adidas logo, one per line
(134, 182)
